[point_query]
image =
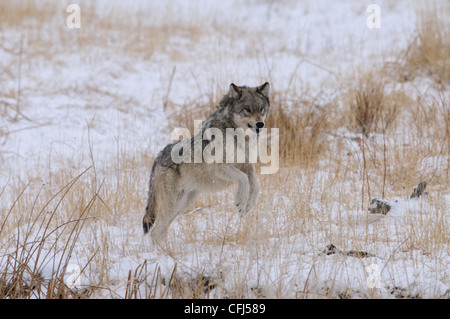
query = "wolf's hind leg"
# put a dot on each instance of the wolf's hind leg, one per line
(167, 213)
(177, 204)
(190, 200)
(159, 230)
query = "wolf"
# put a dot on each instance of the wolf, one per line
(174, 186)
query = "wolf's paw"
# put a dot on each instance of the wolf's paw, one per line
(241, 202)
(242, 209)
(251, 202)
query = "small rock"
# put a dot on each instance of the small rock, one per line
(359, 254)
(419, 190)
(379, 206)
(331, 249)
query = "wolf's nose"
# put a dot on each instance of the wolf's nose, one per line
(259, 124)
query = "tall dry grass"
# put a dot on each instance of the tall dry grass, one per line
(304, 127)
(427, 53)
(39, 239)
(36, 20)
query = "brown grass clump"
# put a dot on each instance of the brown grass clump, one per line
(24, 14)
(47, 240)
(428, 52)
(371, 109)
(196, 110)
(43, 23)
(367, 106)
(302, 129)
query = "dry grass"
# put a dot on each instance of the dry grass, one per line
(36, 20)
(44, 223)
(427, 54)
(303, 129)
(367, 107)
(42, 237)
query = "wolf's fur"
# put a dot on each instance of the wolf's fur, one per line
(173, 187)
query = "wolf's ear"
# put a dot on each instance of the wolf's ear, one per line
(235, 90)
(264, 89)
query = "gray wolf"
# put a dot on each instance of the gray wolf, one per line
(174, 186)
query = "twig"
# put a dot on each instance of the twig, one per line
(322, 68)
(384, 155)
(166, 102)
(25, 128)
(19, 80)
(19, 86)
(267, 64)
(364, 170)
(200, 208)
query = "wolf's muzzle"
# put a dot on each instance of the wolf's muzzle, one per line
(259, 126)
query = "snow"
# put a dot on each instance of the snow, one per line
(80, 107)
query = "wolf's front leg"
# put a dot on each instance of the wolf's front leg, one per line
(242, 195)
(254, 189)
(250, 171)
(241, 199)
(232, 174)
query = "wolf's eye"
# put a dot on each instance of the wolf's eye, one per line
(247, 109)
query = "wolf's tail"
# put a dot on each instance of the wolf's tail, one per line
(150, 210)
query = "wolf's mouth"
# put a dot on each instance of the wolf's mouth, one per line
(254, 129)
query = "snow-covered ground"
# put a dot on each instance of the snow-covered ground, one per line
(90, 102)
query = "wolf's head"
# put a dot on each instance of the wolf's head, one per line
(248, 107)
